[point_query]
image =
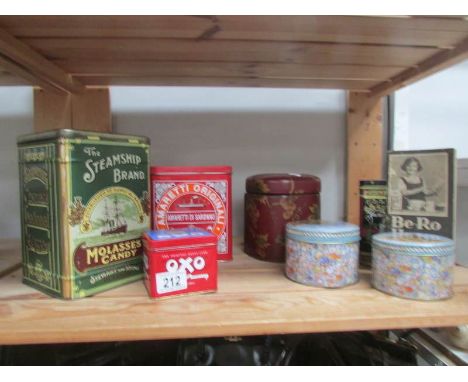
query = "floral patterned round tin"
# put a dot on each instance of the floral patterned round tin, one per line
(322, 254)
(417, 266)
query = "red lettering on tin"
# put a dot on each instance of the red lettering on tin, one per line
(165, 200)
(191, 204)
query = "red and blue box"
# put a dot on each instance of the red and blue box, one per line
(180, 261)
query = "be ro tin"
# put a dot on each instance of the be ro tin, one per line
(421, 223)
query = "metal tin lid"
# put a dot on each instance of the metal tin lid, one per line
(323, 232)
(177, 237)
(190, 170)
(364, 183)
(80, 134)
(282, 184)
(171, 234)
(414, 243)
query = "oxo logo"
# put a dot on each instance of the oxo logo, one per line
(186, 264)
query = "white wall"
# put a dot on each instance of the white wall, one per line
(16, 118)
(433, 113)
(462, 226)
(253, 130)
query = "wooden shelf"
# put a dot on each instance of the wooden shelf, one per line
(254, 298)
(373, 55)
(66, 56)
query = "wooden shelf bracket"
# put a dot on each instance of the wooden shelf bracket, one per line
(365, 146)
(27, 63)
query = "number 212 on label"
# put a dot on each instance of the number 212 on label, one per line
(171, 281)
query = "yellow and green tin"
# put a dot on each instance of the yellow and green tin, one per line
(84, 205)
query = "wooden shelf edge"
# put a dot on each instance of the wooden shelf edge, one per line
(254, 298)
(6, 271)
(10, 256)
(223, 331)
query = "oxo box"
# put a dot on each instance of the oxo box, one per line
(180, 261)
(183, 197)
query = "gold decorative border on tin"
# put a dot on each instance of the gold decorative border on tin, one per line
(64, 182)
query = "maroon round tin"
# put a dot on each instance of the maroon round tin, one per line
(271, 201)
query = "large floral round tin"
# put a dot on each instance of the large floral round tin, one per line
(271, 201)
(413, 265)
(322, 254)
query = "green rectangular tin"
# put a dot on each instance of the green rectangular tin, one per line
(84, 205)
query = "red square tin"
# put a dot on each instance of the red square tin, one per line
(180, 262)
(194, 197)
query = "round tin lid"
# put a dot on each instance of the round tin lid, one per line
(363, 183)
(282, 184)
(414, 242)
(323, 232)
(190, 170)
(80, 134)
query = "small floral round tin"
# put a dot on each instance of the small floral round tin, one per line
(417, 266)
(322, 254)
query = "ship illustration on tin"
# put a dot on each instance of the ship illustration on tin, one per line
(114, 223)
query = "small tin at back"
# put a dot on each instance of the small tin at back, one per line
(373, 215)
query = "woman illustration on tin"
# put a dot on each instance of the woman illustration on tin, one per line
(413, 188)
